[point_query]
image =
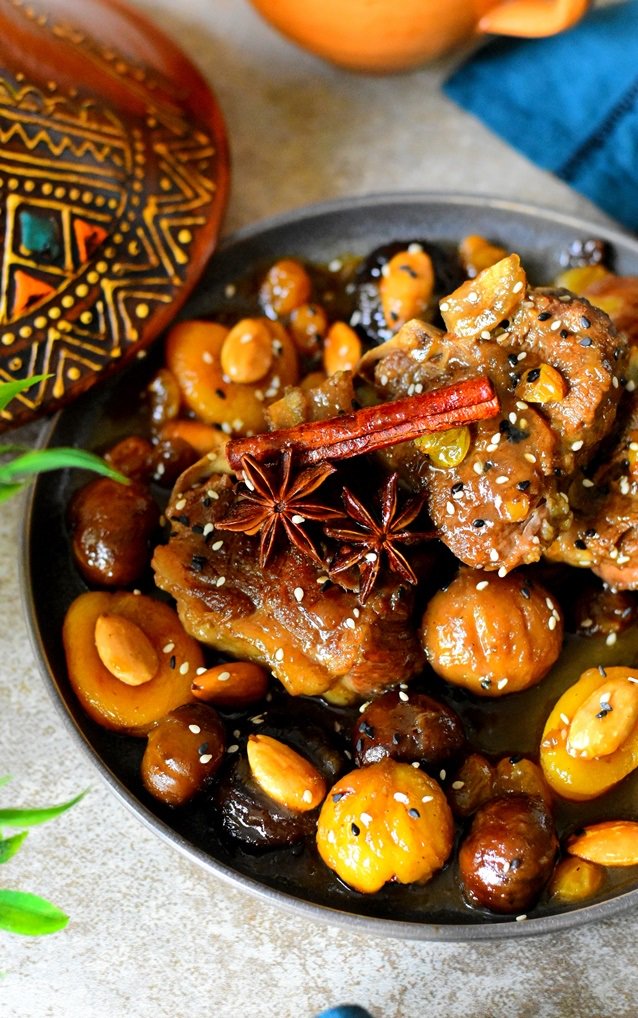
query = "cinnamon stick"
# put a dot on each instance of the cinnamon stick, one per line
(374, 427)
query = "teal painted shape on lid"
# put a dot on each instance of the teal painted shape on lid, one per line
(39, 234)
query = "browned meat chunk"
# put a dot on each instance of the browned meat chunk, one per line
(604, 532)
(315, 640)
(556, 365)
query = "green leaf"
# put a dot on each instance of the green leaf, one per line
(5, 779)
(10, 846)
(38, 460)
(31, 817)
(8, 490)
(8, 390)
(28, 914)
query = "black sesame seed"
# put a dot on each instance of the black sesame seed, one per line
(197, 528)
(478, 524)
(590, 533)
(396, 739)
(359, 745)
(410, 271)
(505, 324)
(607, 365)
(414, 813)
(513, 359)
(197, 563)
(367, 729)
(533, 375)
(203, 748)
(457, 487)
(544, 316)
(220, 393)
(516, 758)
(606, 708)
(580, 544)
(355, 830)
(488, 465)
(602, 671)
(564, 333)
(526, 593)
(324, 586)
(586, 341)
(516, 864)
(486, 683)
(585, 322)
(183, 520)
(207, 502)
(523, 485)
(172, 661)
(338, 796)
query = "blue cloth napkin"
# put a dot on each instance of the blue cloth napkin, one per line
(569, 103)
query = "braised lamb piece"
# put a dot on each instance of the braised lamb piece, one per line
(313, 635)
(556, 363)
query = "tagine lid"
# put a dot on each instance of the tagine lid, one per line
(113, 182)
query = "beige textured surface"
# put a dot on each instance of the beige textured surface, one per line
(151, 936)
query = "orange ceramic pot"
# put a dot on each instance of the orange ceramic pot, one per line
(386, 35)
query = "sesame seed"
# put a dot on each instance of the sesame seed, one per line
(486, 334)
(494, 555)
(299, 594)
(297, 519)
(549, 603)
(403, 696)
(517, 286)
(444, 306)
(522, 356)
(201, 670)
(365, 819)
(279, 654)
(576, 446)
(521, 918)
(512, 417)
(555, 326)
(323, 579)
(495, 439)
(427, 798)
(477, 467)
(502, 572)
(482, 584)
(587, 483)
(611, 639)
(248, 483)
(356, 613)
(195, 729)
(442, 775)
(350, 623)
(167, 648)
(233, 749)
(371, 556)
(205, 758)
(307, 795)
(564, 719)
(401, 797)
(184, 668)
(586, 623)
(521, 405)
(212, 493)
(221, 581)
(217, 545)
(502, 479)
(450, 508)
(223, 677)
(630, 386)
(551, 622)
(457, 785)
(501, 684)
(530, 457)
(208, 529)
(180, 503)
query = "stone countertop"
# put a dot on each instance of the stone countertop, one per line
(151, 935)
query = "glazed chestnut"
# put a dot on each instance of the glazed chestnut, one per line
(409, 727)
(493, 635)
(508, 855)
(183, 752)
(170, 458)
(112, 526)
(132, 456)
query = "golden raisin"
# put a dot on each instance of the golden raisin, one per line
(406, 287)
(287, 285)
(246, 355)
(543, 384)
(342, 349)
(445, 448)
(477, 253)
(575, 880)
(308, 326)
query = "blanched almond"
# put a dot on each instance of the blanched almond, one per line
(234, 684)
(610, 843)
(285, 775)
(125, 650)
(606, 719)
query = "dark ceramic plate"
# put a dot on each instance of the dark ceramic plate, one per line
(50, 581)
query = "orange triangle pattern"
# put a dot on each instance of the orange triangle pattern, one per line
(28, 290)
(88, 237)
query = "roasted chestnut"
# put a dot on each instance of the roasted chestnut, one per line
(493, 635)
(508, 855)
(407, 726)
(112, 526)
(183, 752)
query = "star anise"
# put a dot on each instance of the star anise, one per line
(365, 547)
(267, 504)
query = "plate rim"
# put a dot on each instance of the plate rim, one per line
(497, 928)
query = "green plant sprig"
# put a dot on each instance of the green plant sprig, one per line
(20, 911)
(17, 463)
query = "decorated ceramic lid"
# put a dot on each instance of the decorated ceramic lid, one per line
(113, 181)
